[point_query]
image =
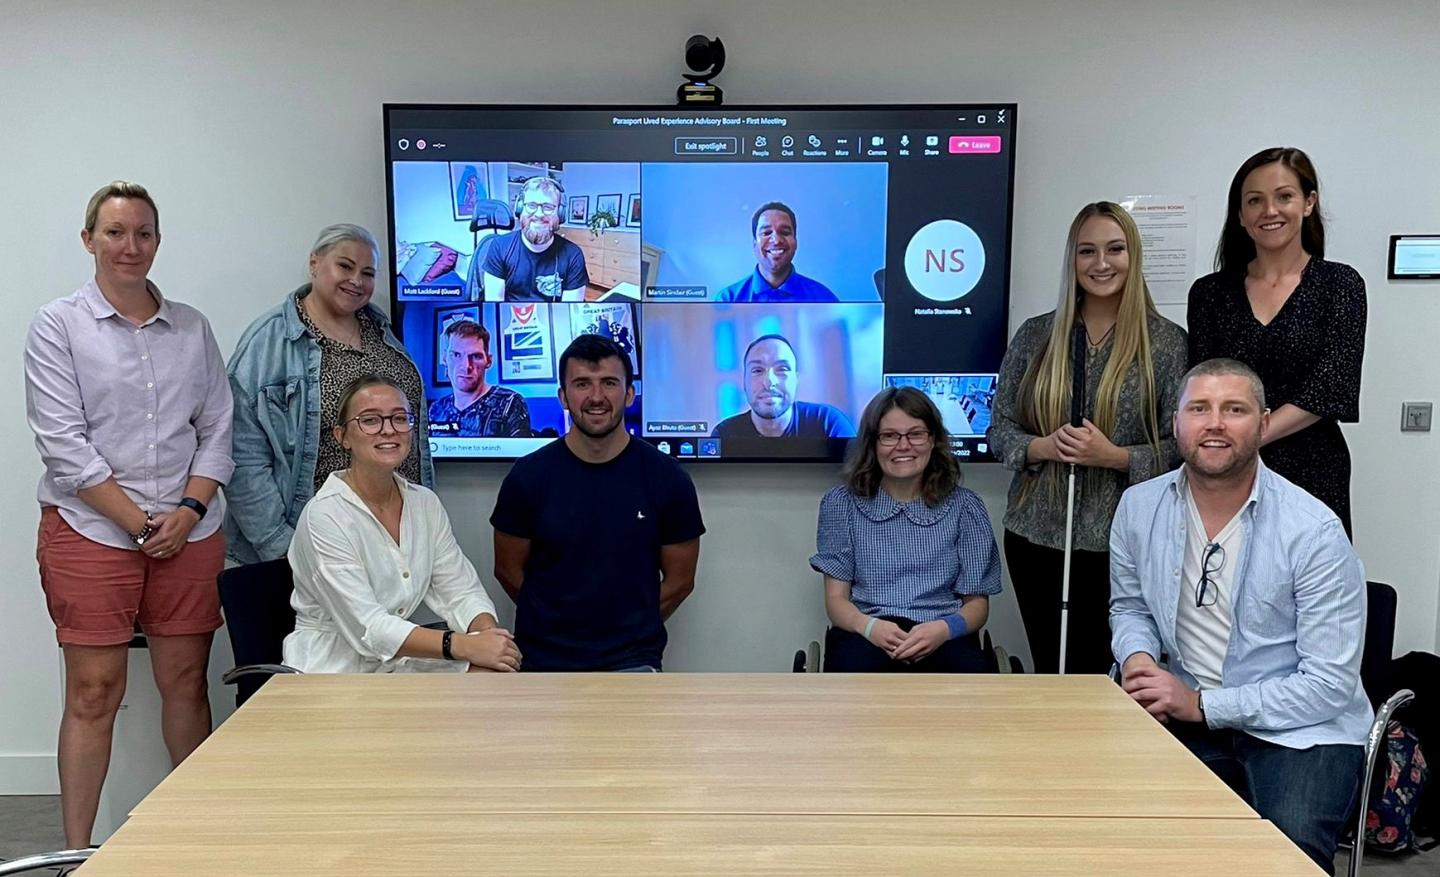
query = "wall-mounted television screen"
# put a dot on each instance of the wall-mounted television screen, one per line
(766, 269)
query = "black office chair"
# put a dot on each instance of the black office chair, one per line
(46, 861)
(256, 602)
(808, 660)
(490, 215)
(1379, 648)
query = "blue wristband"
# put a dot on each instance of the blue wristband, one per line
(956, 623)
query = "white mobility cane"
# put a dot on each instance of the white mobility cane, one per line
(1078, 343)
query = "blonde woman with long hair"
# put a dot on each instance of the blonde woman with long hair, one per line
(1134, 359)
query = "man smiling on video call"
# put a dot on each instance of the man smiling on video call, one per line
(775, 278)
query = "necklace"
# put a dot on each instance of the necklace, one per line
(1090, 339)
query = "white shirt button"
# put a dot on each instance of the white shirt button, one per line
(150, 417)
(137, 331)
(144, 356)
(149, 385)
(152, 447)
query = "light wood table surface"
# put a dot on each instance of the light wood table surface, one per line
(690, 743)
(640, 845)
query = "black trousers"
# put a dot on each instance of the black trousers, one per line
(1036, 573)
(847, 652)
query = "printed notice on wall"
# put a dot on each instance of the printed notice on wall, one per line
(1167, 238)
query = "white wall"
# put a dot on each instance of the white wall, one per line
(255, 124)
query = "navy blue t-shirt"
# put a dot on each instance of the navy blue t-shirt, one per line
(536, 276)
(590, 599)
(811, 420)
(816, 430)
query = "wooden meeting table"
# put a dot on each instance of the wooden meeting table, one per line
(693, 773)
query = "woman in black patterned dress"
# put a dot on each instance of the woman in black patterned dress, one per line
(1277, 305)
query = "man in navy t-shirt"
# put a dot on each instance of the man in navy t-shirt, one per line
(774, 413)
(533, 263)
(596, 535)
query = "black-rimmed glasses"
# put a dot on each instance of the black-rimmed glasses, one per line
(374, 424)
(1211, 562)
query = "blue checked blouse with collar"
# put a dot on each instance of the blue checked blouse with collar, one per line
(907, 559)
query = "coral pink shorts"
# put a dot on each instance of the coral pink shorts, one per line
(96, 593)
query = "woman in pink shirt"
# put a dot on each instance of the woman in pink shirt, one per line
(126, 393)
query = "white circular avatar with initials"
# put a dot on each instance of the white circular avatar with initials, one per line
(944, 260)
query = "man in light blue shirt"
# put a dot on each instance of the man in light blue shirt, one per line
(1251, 587)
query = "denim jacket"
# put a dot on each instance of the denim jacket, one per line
(1291, 674)
(275, 378)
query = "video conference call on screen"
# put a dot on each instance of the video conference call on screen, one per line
(766, 269)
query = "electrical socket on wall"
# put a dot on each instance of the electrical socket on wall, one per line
(1415, 416)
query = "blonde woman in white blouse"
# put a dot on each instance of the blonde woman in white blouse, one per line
(370, 547)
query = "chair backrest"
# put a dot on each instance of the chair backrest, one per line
(490, 215)
(46, 861)
(1375, 658)
(256, 600)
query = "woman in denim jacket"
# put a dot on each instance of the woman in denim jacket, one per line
(291, 365)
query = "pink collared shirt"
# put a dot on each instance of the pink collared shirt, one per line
(149, 405)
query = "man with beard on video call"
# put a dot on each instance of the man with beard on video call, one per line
(771, 381)
(533, 263)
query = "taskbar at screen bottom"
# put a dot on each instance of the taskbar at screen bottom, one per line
(970, 449)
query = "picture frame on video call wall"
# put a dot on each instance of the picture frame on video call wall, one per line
(443, 318)
(611, 320)
(467, 187)
(525, 343)
(579, 210)
(611, 203)
(632, 213)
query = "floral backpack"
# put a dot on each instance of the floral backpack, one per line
(1388, 822)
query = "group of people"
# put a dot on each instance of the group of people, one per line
(534, 263)
(1235, 568)
(1237, 572)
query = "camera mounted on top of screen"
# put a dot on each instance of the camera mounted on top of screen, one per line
(706, 56)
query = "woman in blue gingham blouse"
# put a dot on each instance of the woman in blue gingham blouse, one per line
(908, 555)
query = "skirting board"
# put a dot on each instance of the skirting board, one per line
(29, 775)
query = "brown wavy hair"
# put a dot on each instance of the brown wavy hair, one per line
(862, 469)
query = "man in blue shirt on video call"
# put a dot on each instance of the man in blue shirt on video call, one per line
(775, 278)
(771, 378)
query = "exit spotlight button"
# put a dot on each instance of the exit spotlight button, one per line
(706, 145)
(963, 145)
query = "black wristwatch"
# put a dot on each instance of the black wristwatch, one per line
(445, 646)
(194, 505)
(145, 532)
